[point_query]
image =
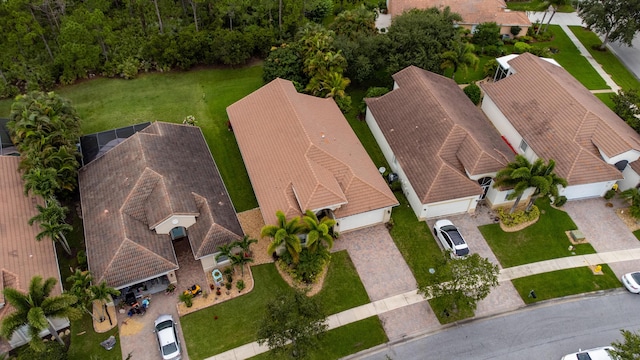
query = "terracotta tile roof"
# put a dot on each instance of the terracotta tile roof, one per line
(301, 153)
(21, 256)
(473, 12)
(437, 135)
(163, 170)
(560, 119)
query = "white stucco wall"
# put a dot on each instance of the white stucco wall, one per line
(21, 336)
(505, 128)
(498, 198)
(631, 179)
(361, 220)
(174, 221)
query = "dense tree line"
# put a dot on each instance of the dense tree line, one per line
(45, 42)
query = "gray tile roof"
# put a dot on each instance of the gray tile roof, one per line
(163, 170)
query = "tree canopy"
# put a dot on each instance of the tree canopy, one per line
(614, 20)
(628, 348)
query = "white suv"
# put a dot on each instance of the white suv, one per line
(450, 238)
(601, 353)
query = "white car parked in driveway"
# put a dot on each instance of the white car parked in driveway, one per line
(632, 282)
(165, 329)
(450, 238)
(601, 353)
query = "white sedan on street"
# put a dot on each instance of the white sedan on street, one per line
(632, 282)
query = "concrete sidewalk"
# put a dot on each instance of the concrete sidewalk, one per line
(412, 297)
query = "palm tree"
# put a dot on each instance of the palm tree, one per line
(245, 244)
(42, 182)
(334, 85)
(632, 195)
(240, 259)
(34, 309)
(52, 223)
(319, 230)
(544, 181)
(460, 56)
(285, 233)
(102, 293)
(80, 283)
(516, 175)
(226, 250)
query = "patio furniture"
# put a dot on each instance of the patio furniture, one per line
(217, 276)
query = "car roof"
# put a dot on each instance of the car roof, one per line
(162, 318)
(600, 353)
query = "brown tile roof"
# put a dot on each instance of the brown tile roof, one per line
(437, 135)
(163, 170)
(473, 12)
(21, 256)
(560, 119)
(301, 153)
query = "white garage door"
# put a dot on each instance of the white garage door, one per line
(361, 220)
(460, 206)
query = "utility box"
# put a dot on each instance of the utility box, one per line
(577, 235)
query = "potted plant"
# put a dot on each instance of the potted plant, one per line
(170, 289)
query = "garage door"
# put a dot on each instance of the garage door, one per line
(362, 220)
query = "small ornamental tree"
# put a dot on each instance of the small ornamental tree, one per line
(292, 323)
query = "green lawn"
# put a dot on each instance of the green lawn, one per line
(637, 234)
(343, 341)
(571, 60)
(544, 240)
(536, 5)
(610, 63)
(85, 343)
(238, 319)
(560, 283)
(606, 99)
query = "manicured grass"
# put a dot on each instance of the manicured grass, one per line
(544, 240)
(414, 240)
(362, 130)
(560, 283)
(85, 343)
(536, 5)
(447, 316)
(606, 99)
(610, 63)
(571, 60)
(343, 341)
(637, 234)
(239, 318)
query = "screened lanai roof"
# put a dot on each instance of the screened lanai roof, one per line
(95, 145)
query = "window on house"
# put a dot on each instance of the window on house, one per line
(524, 146)
(220, 259)
(622, 164)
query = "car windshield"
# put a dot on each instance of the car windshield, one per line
(163, 325)
(583, 356)
(169, 348)
(462, 252)
(636, 277)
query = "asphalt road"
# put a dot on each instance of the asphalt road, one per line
(545, 331)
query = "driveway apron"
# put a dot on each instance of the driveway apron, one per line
(603, 229)
(384, 273)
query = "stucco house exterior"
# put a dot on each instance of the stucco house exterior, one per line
(22, 257)
(301, 154)
(156, 186)
(442, 147)
(544, 112)
(473, 12)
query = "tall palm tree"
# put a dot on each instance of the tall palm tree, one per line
(334, 85)
(42, 182)
(319, 230)
(285, 233)
(35, 308)
(51, 218)
(544, 181)
(460, 56)
(102, 293)
(80, 283)
(517, 176)
(240, 260)
(226, 250)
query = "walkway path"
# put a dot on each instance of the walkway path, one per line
(412, 297)
(572, 19)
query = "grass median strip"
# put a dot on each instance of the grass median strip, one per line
(567, 282)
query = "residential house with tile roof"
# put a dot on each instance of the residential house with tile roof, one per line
(22, 257)
(473, 12)
(442, 147)
(158, 184)
(301, 154)
(544, 112)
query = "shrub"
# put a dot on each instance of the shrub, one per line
(344, 103)
(187, 299)
(493, 50)
(310, 264)
(473, 93)
(82, 259)
(318, 9)
(526, 39)
(490, 68)
(518, 217)
(372, 92)
(521, 47)
(609, 194)
(515, 30)
(53, 350)
(544, 36)
(560, 201)
(240, 285)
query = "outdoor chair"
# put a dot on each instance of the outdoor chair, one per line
(217, 276)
